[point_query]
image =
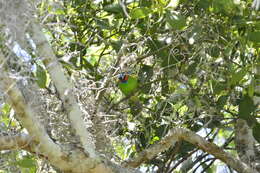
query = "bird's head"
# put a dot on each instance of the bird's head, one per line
(123, 77)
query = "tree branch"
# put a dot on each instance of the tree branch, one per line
(27, 116)
(151, 152)
(178, 134)
(244, 140)
(64, 88)
(19, 141)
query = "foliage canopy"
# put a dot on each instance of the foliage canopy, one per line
(195, 61)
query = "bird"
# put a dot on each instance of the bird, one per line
(128, 85)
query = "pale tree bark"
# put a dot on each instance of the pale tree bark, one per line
(245, 144)
(247, 147)
(256, 4)
(13, 142)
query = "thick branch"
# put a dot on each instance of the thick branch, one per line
(245, 142)
(153, 151)
(64, 88)
(244, 139)
(178, 134)
(14, 142)
(27, 116)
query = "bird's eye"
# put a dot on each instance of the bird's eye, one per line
(121, 76)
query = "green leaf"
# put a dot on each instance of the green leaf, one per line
(116, 45)
(139, 13)
(191, 69)
(256, 131)
(26, 162)
(103, 24)
(176, 21)
(161, 130)
(6, 108)
(59, 11)
(41, 76)
(251, 89)
(114, 8)
(215, 52)
(145, 3)
(203, 4)
(226, 7)
(87, 65)
(156, 44)
(145, 75)
(222, 101)
(254, 37)
(237, 77)
(218, 87)
(246, 108)
(162, 2)
(142, 139)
